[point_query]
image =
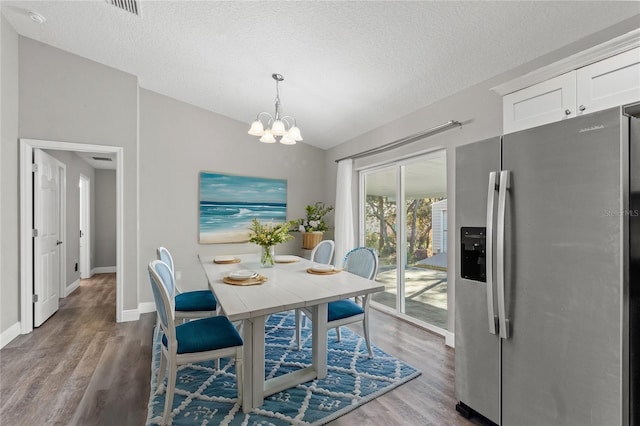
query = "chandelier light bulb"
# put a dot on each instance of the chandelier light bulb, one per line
(268, 137)
(287, 140)
(278, 128)
(294, 133)
(256, 129)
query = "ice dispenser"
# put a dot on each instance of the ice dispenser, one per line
(473, 253)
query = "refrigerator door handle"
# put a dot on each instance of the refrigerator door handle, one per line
(491, 309)
(502, 204)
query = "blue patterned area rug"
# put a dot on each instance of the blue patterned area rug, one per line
(205, 396)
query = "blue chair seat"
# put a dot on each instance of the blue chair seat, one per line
(343, 309)
(192, 301)
(205, 334)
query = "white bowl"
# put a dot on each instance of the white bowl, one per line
(242, 274)
(322, 268)
(224, 258)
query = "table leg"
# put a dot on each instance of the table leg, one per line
(247, 376)
(254, 356)
(319, 339)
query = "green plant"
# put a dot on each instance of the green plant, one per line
(314, 220)
(267, 235)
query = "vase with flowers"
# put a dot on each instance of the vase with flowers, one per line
(267, 236)
(312, 226)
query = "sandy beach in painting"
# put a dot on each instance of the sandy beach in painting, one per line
(224, 237)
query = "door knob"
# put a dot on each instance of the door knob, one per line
(58, 242)
(567, 112)
(582, 108)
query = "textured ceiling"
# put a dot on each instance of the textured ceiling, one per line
(349, 67)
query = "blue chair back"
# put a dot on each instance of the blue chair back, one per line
(162, 285)
(164, 255)
(362, 261)
(323, 252)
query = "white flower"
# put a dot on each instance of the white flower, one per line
(314, 223)
(301, 228)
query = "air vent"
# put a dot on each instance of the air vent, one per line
(102, 158)
(131, 6)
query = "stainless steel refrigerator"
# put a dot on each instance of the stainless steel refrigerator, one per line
(547, 273)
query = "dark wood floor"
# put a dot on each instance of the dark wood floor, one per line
(82, 368)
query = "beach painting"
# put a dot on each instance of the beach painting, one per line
(229, 202)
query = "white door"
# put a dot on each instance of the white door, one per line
(85, 225)
(46, 211)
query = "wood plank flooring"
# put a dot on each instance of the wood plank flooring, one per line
(82, 368)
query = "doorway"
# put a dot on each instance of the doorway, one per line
(27, 147)
(403, 215)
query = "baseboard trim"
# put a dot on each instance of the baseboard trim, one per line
(72, 287)
(130, 315)
(146, 307)
(9, 334)
(103, 270)
(134, 314)
(450, 339)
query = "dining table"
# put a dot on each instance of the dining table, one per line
(288, 285)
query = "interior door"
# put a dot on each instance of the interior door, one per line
(46, 209)
(562, 363)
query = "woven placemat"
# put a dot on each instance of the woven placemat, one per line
(253, 281)
(226, 262)
(335, 271)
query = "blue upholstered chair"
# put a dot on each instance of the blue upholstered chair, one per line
(199, 340)
(190, 304)
(323, 252)
(361, 261)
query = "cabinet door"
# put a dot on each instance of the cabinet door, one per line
(609, 83)
(546, 102)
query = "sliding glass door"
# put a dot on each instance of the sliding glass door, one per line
(403, 217)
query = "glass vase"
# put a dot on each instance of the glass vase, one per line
(266, 257)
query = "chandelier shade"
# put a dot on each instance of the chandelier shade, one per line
(276, 126)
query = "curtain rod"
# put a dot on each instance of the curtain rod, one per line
(404, 141)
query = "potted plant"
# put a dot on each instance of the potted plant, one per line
(312, 226)
(267, 236)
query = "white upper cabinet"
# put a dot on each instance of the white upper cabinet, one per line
(601, 77)
(546, 102)
(610, 82)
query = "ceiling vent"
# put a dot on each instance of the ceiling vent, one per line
(102, 158)
(131, 6)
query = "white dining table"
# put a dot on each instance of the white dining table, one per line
(288, 286)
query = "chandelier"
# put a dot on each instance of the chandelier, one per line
(276, 127)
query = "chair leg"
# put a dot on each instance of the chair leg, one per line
(171, 388)
(365, 326)
(338, 333)
(298, 333)
(239, 372)
(217, 364)
(161, 370)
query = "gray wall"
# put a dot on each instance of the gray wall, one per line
(477, 108)
(9, 268)
(64, 97)
(75, 166)
(177, 141)
(104, 235)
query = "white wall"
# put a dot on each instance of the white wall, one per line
(177, 141)
(9, 267)
(104, 221)
(64, 97)
(436, 220)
